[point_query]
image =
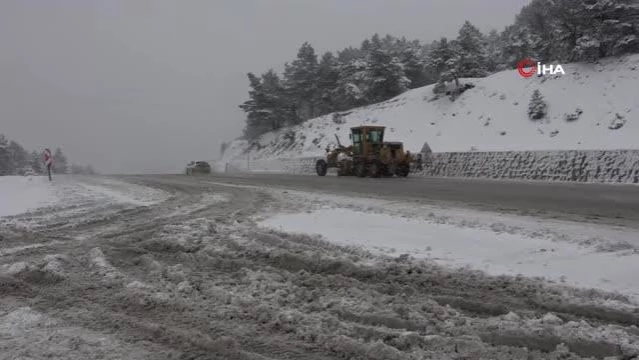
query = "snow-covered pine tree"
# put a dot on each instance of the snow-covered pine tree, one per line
(385, 73)
(256, 115)
(574, 30)
(60, 162)
(471, 46)
(5, 157)
(223, 147)
(327, 82)
(412, 58)
(347, 55)
(494, 48)
(452, 73)
(441, 61)
(612, 28)
(537, 18)
(36, 162)
(519, 43)
(267, 108)
(19, 157)
(280, 110)
(300, 80)
(537, 107)
(352, 82)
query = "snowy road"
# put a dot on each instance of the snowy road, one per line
(179, 267)
(593, 203)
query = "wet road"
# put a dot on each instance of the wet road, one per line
(598, 203)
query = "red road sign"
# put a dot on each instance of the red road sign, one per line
(48, 159)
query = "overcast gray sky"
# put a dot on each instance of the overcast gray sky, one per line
(146, 85)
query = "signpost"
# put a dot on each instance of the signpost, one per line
(48, 160)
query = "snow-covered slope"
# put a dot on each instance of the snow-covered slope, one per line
(492, 116)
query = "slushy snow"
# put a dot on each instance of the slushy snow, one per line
(513, 246)
(20, 195)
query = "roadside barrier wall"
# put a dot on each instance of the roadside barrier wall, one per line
(593, 166)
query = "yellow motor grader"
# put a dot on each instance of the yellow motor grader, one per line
(368, 155)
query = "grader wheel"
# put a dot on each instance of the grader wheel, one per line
(360, 169)
(375, 169)
(321, 167)
(402, 170)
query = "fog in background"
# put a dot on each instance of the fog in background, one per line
(147, 85)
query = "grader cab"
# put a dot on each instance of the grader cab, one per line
(368, 155)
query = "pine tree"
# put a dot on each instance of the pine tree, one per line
(537, 106)
(439, 54)
(5, 157)
(414, 64)
(519, 43)
(537, 18)
(471, 47)
(610, 27)
(223, 147)
(327, 82)
(300, 81)
(385, 73)
(352, 85)
(349, 54)
(60, 162)
(268, 108)
(444, 60)
(573, 30)
(256, 123)
(494, 55)
(279, 109)
(19, 158)
(36, 162)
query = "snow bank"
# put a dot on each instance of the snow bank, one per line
(574, 254)
(20, 194)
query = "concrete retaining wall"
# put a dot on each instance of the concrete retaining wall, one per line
(616, 166)
(606, 166)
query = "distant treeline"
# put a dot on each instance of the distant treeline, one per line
(16, 160)
(384, 67)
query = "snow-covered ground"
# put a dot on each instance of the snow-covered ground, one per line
(120, 192)
(19, 194)
(492, 116)
(563, 252)
(66, 196)
(179, 267)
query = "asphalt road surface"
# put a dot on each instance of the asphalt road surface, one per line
(595, 203)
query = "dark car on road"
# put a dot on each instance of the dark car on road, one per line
(198, 167)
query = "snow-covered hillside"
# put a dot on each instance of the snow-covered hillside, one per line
(592, 106)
